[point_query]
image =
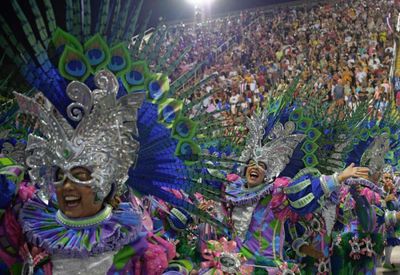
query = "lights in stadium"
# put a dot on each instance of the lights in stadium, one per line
(198, 3)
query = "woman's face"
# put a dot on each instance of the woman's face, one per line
(77, 200)
(387, 182)
(255, 173)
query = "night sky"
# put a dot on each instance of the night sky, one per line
(172, 10)
(169, 10)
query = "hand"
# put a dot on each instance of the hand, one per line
(207, 206)
(390, 197)
(309, 250)
(351, 171)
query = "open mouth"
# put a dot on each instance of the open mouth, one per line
(254, 174)
(72, 201)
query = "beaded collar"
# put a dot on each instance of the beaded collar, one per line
(85, 222)
(109, 230)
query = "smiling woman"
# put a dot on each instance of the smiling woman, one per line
(259, 204)
(73, 216)
(255, 173)
(77, 200)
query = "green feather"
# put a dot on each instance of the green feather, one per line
(132, 23)
(135, 51)
(87, 19)
(69, 15)
(77, 20)
(102, 21)
(39, 23)
(51, 20)
(115, 23)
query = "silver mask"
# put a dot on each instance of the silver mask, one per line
(275, 150)
(102, 142)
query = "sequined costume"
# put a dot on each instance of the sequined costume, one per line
(260, 220)
(99, 102)
(258, 214)
(360, 214)
(99, 239)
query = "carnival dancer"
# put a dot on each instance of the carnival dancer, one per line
(392, 203)
(90, 129)
(364, 216)
(75, 222)
(261, 202)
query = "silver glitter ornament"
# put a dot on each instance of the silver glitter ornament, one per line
(275, 150)
(103, 141)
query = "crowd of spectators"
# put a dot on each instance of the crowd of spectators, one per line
(344, 48)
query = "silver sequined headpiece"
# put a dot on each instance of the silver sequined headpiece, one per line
(374, 155)
(388, 169)
(102, 142)
(275, 150)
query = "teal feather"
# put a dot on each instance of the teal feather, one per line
(304, 124)
(184, 128)
(87, 19)
(21, 57)
(97, 52)
(36, 45)
(124, 20)
(77, 20)
(120, 61)
(363, 134)
(51, 20)
(153, 46)
(313, 134)
(310, 160)
(309, 147)
(101, 26)
(69, 16)
(115, 23)
(39, 23)
(136, 47)
(131, 25)
(296, 115)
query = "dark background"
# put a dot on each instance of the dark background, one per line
(169, 10)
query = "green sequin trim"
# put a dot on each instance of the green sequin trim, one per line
(378, 211)
(11, 175)
(179, 215)
(307, 171)
(300, 203)
(6, 162)
(84, 222)
(298, 187)
(123, 257)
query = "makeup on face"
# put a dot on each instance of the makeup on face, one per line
(76, 200)
(255, 173)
